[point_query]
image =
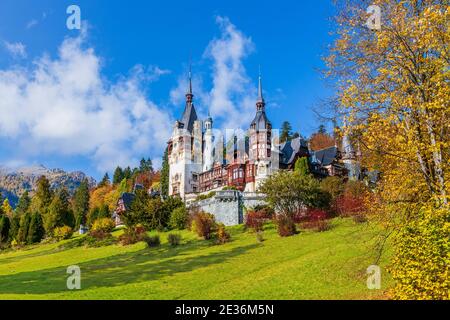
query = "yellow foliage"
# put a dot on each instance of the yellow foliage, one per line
(421, 266)
(394, 93)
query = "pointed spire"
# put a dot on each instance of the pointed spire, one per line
(260, 93)
(260, 103)
(189, 94)
(190, 78)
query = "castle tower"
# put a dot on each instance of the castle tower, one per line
(260, 135)
(349, 158)
(185, 150)
(208, 142)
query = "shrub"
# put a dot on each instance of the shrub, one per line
(152, 213)
(127, 238)
(97, 213)
(174, 239)
(223, 236)
(15, 244)
(266, 210)
(356, 188)
(259, 236)
(133, 235)
(348, 205)
(314, 214)
(62, 233)
(99, 234)
(300, 216)
(359, 218)
(152, 241)
(302, 166)
(285, 225)
(178, 218)
(421, 262)
(233, 188)
(205, 196)
(318, 225)
(334, 186)
(288, 192)
(254, 220)
(316, 220)
(192, 212)
(103, 224)
(204, 224)
(140, 230)
(93, 239)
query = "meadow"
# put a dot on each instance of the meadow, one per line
(309, 265)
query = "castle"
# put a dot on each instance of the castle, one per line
(202, 159)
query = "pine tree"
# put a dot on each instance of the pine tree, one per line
(127, 173)
(36, 229)
(22, 235)
(118, 175)
(43, 196)
(103, 212)
(6, 207)
(92, 216)
(15, 226)
(4, 228)
(59, 213)
(302, 166)
(81, 203)
(165, 175)
(146, 165)
(23, 204)
(286, 132)
(105, 181)
(322, 129)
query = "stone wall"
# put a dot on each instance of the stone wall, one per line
(228, 206)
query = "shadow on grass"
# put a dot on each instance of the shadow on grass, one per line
(143, 265)
(30, 255)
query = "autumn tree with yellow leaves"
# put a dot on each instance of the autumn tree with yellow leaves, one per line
(394, 94)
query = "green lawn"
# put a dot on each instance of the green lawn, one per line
(326, 265)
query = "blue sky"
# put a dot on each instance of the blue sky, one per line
(134, 55)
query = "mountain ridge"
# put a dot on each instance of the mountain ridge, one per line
(14, 182)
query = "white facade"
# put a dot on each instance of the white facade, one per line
(193, 149)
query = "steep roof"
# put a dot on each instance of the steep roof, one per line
(290, 149)
(127, 199)
(189, 116)
(260, 121)
(324, 156)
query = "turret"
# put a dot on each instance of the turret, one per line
(208, 151)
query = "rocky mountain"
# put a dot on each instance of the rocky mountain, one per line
(14, 182)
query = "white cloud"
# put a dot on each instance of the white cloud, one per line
(64, 106)
(232, 97)
(31, 23)
(233, 94)
(16, 49)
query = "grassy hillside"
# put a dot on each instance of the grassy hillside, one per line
(327, 265)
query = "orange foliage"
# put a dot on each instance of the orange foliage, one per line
(320, 141)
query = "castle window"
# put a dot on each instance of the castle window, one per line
(235, 173)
